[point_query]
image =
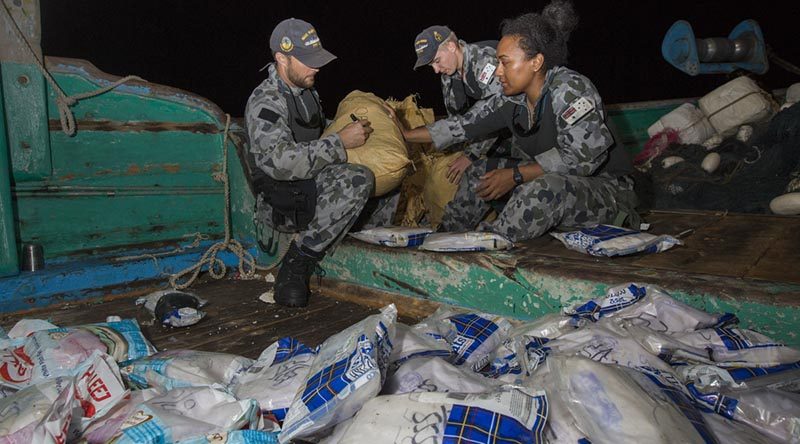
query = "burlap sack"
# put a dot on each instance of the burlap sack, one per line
(438, 191)
(385, 151)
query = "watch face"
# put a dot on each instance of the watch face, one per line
(518, 176)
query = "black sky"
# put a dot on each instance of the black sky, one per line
(215, 48)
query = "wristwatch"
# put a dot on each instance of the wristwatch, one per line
(518, 179)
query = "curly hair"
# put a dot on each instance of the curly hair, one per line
(546, 32)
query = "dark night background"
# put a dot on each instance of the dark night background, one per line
(215, 48)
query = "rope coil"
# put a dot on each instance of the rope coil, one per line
(216, 266)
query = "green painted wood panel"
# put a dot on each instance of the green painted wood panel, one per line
(65, 224)
(498, 283)
(8, 245)
(122, 158)
(26, 116)
(126, 102)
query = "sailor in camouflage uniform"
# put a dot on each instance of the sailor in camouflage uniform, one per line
(565, 169)
(303, 182)
(467, 76)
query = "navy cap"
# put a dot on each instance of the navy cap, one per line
(427, 43)
(298, 38)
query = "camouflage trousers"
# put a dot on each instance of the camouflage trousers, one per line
(533, 208)
(343, 200)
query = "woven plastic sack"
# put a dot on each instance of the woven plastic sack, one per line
(393, 236)
(472, 336)
(468, 241)
(593, 402)
(648, 306)
(385, 152)
(691, 124)
(736, 103)
(435, 375)
(348, 371)
(46, 354)
(275, 377)
(183, 415)
(60, 409)
(610, 241)
(511, 415)
(185, 368)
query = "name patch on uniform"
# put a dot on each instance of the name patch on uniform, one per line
(486, 73)
(576, 110)
(268, 115)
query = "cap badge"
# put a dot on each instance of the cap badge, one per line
(437, 36)
(286, 44)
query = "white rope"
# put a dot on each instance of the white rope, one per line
(216, 266)
(63, 102)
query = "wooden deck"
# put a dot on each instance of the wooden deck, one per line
(743, 246)
(236, 321)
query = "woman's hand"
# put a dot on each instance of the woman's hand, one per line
(495, 184)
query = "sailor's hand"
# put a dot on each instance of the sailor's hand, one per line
(391, 112)
(457, 167)
(495, 184)
(356, 134)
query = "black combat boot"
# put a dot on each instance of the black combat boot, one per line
(297, 266)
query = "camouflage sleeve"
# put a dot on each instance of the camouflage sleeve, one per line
(481, 120)
(274, 147)
(583, 138)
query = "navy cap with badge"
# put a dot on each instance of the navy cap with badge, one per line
(299, 39)
(427, 43)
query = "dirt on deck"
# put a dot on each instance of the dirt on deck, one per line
(236, 320)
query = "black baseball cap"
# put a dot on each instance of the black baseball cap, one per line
(427, 43)
(295, 37)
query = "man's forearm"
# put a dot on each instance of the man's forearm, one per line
(418, 135)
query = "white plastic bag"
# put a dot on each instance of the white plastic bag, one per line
(62, 408)
(469, 241)
(692, 125)
(549, 326)
(472, 336)
(348, 371)
(736, 103)
(724, 346)
(511, 415)
(46, 354)
(173, 307)
(275, 377)
(185, 368)
(413, 342)
(610, 241)
(186, 414)
(516, 358)
(607, 343)
(393, 236)
(648, 306)
(434, 375)
(607, 404)
(755, 401)
(732, 432)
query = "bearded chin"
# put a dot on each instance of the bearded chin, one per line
(302, 82)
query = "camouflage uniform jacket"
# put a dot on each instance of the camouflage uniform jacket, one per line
(272, 141)
(478, 83)
(574, 138)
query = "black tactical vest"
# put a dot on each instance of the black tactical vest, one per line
(544, 135)
(305, 128)
(293, 202)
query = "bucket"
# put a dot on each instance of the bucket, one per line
(32, 257)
